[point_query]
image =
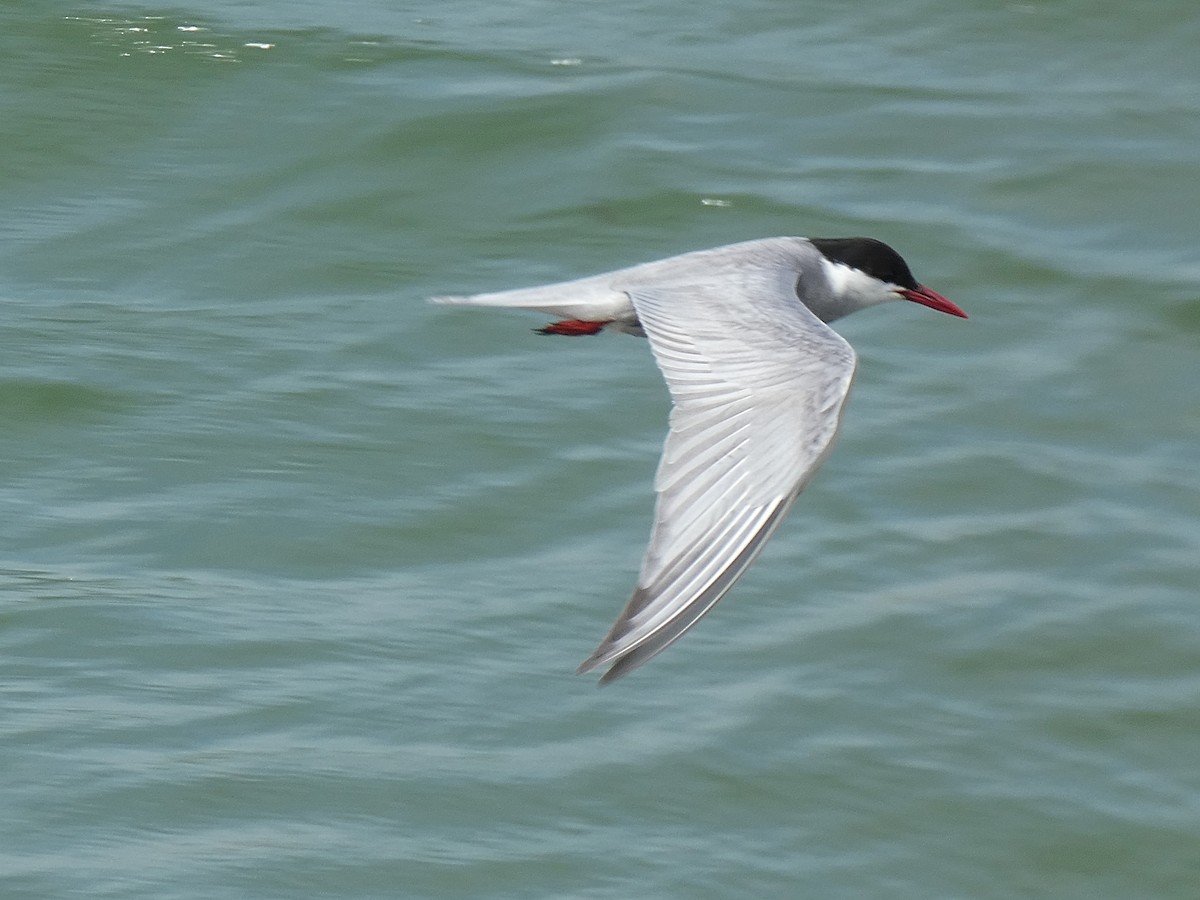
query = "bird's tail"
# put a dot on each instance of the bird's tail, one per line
(587, 299)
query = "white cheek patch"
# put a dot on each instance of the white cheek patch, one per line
(855, 284)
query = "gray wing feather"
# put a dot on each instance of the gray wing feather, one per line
(758, 384)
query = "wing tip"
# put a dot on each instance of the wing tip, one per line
(602, 656)
(617, 645)
(588, 665)
(610, 653)
(625, 649)
(621, 665)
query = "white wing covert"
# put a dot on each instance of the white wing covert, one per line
(758, 384)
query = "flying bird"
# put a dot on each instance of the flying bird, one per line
(757, 380)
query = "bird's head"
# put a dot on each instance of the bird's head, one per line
(863, 272)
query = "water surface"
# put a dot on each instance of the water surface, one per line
(295, 569)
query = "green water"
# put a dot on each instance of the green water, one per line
(295, 568)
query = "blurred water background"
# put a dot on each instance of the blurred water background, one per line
(295, 568)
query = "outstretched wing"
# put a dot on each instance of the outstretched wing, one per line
(758, 384)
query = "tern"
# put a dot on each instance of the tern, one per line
(757, 380)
